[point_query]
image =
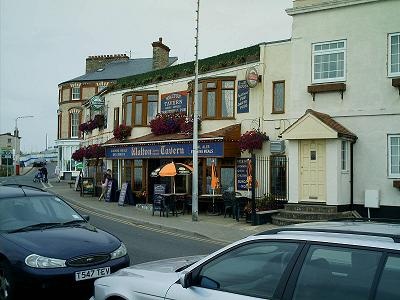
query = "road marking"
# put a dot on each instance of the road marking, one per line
(145, 227)
(47, 187)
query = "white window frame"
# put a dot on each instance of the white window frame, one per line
(76, 95)
(329, 51)
(390, 174)
(344, 155)
(390, 73)
(76, 125)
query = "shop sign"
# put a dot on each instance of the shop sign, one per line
(241, 174)
(97, 102)
(243, 92)
(182, 149)
(252, 77)
(174, 102)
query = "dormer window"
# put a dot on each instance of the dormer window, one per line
(329, 62)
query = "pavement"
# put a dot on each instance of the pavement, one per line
(218, 228)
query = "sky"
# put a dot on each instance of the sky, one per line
(46, 42)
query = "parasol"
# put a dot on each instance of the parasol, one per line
(249, 179)
(171, 170)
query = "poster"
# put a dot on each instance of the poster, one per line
(243, 96)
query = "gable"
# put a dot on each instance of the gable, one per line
(309, 127)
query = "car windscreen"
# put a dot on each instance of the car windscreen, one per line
(35, 212)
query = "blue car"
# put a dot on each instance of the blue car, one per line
(46, 246)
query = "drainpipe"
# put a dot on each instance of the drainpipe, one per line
(352, 176)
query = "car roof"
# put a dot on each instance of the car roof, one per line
(19, 190)
(363, 227)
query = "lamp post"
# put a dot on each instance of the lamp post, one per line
(17, 151)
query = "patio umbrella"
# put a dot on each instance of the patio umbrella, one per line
(171, 170)
(249, 176)
(214, 177)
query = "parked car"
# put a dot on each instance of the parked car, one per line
(352, 260)
(47, 246)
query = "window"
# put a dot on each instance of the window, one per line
(132, 172)
(116, 117)
(254, 269)
(100, 88)
(388, 287)
(74, 121)
(9, 141)
(59, 126)
(336, 273)
(394, 54)
(76, 93)
(278, 97)
(394, 155)
(345, 156)
(215, 99)
(329, 62)
(140, 109)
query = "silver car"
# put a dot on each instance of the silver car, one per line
(352, 260)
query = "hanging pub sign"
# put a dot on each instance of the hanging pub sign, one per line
(241, 174)
(97, 102)
(174, 102)
(243, 92)
(182, 149)
(252, 77)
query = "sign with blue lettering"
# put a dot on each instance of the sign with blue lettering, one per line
(174, 102)
(243, 95)
(241, 174)
(166, 150)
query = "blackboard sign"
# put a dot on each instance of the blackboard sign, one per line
(159, 188)
(241, 174)
(122, 194)
(243, 92)
(174, 102)
(107, 198)
(87, 186)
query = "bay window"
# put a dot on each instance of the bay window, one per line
(140, 108)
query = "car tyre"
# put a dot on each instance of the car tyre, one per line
(6, 282)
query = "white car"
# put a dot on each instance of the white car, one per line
(352, 260)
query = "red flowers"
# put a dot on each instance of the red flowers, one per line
(167, 123)
(97, 122)
(122, 131)
(92, 151)
(252, 140)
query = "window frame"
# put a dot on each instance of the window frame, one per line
(144, 104)
(76, 126)
(389, 45)
(203, 91)
(116, 117)
(274, 111)
(324, 52)
(344, 156)
(74, 95)
(389, 155)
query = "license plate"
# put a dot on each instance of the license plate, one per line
(95, 273)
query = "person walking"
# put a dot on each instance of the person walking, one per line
(44, 172)
(57, 173)
(104, 184)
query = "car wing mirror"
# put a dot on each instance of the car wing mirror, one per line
(185, 279)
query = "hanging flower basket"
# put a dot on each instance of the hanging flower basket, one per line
(89, 152)
(252, 140)
(121, 132)
(79, 154)
(167, 123)
(97, 122)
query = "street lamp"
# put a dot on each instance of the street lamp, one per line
(17, 152)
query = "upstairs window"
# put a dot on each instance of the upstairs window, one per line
(329, 62)
(76, 93)
(140, 108)
(394, 155)
(75, 121)
(278, 97)
(216, 99)
(394, 54)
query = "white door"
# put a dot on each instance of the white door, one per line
(313, 170)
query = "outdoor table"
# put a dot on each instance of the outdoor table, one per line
(173, 200)
(212, 207)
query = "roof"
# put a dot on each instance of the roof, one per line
(118, 69)
(17, 190)
(230, 133)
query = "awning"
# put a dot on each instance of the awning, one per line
(219, 143)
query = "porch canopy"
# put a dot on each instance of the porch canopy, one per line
(218, 143)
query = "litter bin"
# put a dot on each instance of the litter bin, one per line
(17, 169)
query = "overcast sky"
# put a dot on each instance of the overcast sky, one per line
(46, 42)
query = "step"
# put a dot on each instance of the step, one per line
(276, 220)
(310, 208)
(311, 215)
(283, 220)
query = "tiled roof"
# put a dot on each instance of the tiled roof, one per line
(230, 133)
(119, 69)
(327, 119)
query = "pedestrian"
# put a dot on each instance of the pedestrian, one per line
(57, 173)
(104, 184)
(44, 172)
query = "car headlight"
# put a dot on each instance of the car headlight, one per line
(37, 261)
(121, 251)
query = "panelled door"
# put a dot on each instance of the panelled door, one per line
(313, 170)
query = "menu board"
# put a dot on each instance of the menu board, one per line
(241, 174)
(159, 188)
(243, 95)
(87, 186)
(107, 198)
(122, 194)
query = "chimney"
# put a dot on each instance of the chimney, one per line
(93, 63)
(160, 55)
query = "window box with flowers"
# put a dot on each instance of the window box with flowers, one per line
(168, 123)
(252, 140)
(121, 132)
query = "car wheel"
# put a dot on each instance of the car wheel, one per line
(6, 285)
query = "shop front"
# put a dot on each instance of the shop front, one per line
(137, 158)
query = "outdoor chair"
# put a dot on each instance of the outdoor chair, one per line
(228, 198)
(159, 204)
(240, 204)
